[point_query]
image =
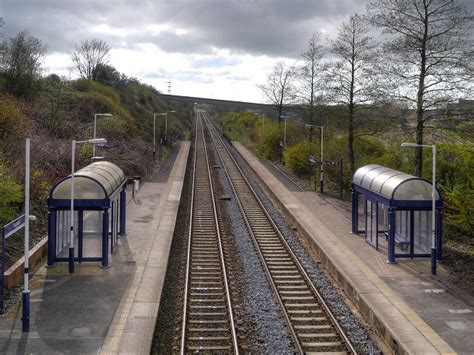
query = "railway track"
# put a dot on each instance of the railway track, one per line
(312, 326)
(207, 321)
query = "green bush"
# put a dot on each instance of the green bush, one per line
(14, 127)
(113, 127)
(455, 164)
(269, 141)
(297, 157)
(239, 126)
(11, 196)
(84, 85)
(106, 104)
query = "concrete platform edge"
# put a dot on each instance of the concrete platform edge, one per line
(132, 328)
(400, 327)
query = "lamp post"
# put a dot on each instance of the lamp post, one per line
(166, 122)
(154, 133)
(433, 202)
(312, 160)
(73, 158)
(262, 131)
(95, 131)
(284, 117)
(166, 126)
(321, 180)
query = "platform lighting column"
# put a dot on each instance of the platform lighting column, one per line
(95, 129)
(284, 131)
(166, 124)
(321, 182)
(154, 133)
(321, 179)
(26, 292)
(73, 158)
(433, 202)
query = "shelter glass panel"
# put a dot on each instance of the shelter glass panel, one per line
(382, 218)
(414, 190)
(92, 234)
(402, 232)
(422, 231)
(371, 232)
(362, 202)
(63, 235)
(84, 188)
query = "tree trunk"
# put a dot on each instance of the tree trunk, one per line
(350, 133)
(419, 101)
(311, 104)
(350, 139)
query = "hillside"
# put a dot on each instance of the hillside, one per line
(59, 111)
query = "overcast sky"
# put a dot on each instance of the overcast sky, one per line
(208, 48)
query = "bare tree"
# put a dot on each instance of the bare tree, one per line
(352, 72)
(21, 63)
(88, 55)
(2, 45)
(430, 51)
(279, 89)
(2, 22)
(310, 73)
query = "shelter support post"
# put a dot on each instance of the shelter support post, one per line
(309, 175)
(80, 232)
(112, 225)
(439, 234)
(51, 236)
(123, 205)
(105, 238)
(355, 212)
(391, 236)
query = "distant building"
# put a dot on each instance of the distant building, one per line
(462, 110)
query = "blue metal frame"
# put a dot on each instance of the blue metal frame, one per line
(81, 205)
(8, 230)
(394, 206)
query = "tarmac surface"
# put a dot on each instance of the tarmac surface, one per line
(412, 310)
(93, 310)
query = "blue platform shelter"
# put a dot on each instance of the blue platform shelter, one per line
(396, 207)
(99, 212)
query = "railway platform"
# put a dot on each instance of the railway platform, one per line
(411, 310)
(112, 310)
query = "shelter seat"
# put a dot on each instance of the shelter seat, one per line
(403, 244)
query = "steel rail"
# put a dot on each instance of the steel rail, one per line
(201, 243)
(285, 175)
(294, 258)
(188, 253)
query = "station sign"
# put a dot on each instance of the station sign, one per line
(109, 145)
(328, 163)
(13, 226)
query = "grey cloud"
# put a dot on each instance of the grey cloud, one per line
(268, 27)
(271, 27)
(215, 62)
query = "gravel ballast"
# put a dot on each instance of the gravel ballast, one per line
(355, 330)
(269, 334)
(260, 324)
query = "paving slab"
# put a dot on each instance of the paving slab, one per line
(90, 310)
(412, 310)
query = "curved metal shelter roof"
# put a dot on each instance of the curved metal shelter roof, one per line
(393, 184)
(96, 181)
